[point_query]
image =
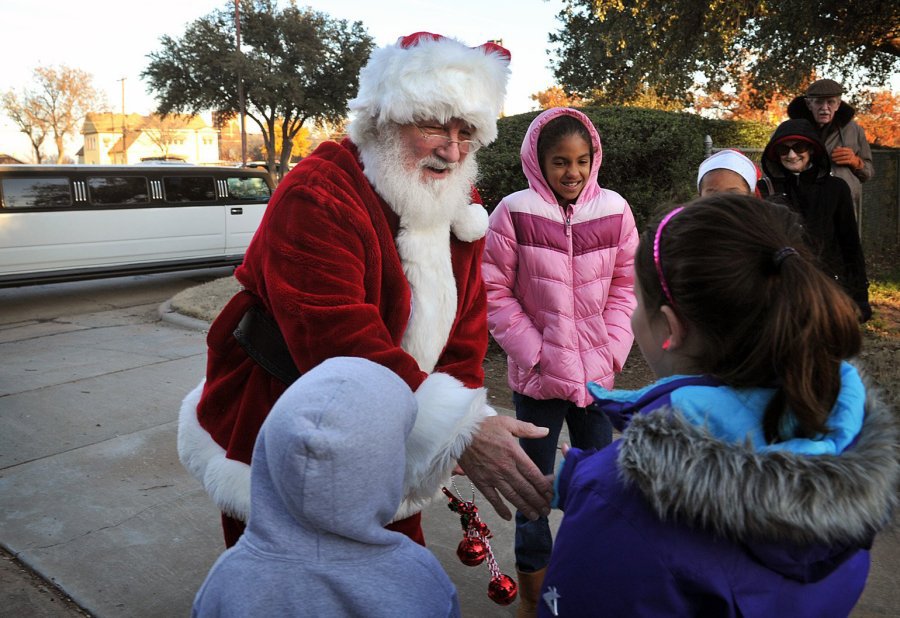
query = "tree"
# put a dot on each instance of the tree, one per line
(164, 131)
(25, 115)
(556, 97)
(622, 46)
(879, 115)
(301, 144)
(57, 103)
(296, 65)
(747, 103)
(62, 97)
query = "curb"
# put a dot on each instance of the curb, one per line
(167, 314)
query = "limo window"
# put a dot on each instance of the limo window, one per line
(36, 192)
(190, 188)
(118, 190)
(248, 189)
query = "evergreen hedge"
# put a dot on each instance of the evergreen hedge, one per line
(650, 156)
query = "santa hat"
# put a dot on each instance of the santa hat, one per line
(427, 76)
(733, 160)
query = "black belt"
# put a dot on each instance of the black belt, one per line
(259, 336)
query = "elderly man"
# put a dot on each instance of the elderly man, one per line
(845, 140)
(372, 248)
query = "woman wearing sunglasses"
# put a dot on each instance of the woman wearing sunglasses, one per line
(798, 174)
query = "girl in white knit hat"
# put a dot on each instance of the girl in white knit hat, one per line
(727, 171)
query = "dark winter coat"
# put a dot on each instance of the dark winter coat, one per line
(824, 203)
(683, 518)
(842, 131)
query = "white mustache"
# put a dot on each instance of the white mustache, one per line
(437, 163)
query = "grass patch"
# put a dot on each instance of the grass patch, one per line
(884, 295)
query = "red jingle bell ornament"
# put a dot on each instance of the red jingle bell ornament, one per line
(475, 547)
(471, 551)
(502, 590)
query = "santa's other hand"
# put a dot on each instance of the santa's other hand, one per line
(500, 469)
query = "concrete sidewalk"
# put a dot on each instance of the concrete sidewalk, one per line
(95, 501)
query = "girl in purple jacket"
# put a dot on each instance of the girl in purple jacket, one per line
(558, 270)
(751, 478)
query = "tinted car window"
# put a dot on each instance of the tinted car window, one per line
(248, 189)
(36, 192)
(118, 190)
(190, 188)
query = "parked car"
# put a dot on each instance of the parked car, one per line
(70, 222)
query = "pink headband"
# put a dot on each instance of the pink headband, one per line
(657, 258)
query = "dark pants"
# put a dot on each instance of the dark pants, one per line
(587, 429)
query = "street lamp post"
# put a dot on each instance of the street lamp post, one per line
(124, 149)
(240, 84)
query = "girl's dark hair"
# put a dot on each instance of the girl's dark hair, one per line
(763, 316)
(561, 127)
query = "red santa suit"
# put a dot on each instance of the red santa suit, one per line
(325, 266)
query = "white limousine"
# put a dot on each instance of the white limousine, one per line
(70, 222)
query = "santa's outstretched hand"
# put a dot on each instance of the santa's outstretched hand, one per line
(498, 466)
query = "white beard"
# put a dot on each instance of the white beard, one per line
(426, 208)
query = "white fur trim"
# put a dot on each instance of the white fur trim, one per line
(449, 415)
(437, 80)
(425, 255)
(226, 481)
(470, 223)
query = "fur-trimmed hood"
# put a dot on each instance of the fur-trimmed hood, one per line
(797, 514)
(798, 109)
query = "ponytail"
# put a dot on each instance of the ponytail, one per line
(812, 327)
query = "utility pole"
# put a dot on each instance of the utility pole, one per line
(124, 149)
(240, 84)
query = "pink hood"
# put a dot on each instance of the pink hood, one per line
(532, 168)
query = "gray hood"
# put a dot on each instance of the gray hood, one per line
(328, 466)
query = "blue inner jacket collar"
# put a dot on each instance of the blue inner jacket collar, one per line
(735, 415)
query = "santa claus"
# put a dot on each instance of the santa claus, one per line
(371, 247)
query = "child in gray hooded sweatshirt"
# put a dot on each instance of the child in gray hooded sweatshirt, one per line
(327, 475)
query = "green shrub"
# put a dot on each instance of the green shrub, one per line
(650, 157)
(736, 133)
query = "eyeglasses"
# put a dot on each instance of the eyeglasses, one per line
(435, 138)
(800, 148)
(830, 102)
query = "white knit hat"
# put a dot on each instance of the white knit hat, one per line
(427, 76)
(732, 160)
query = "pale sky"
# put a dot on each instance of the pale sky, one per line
(110, 39)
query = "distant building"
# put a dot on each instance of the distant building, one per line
(6, 159)
(111, 138)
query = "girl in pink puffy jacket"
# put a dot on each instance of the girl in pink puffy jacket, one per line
(558, 269)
